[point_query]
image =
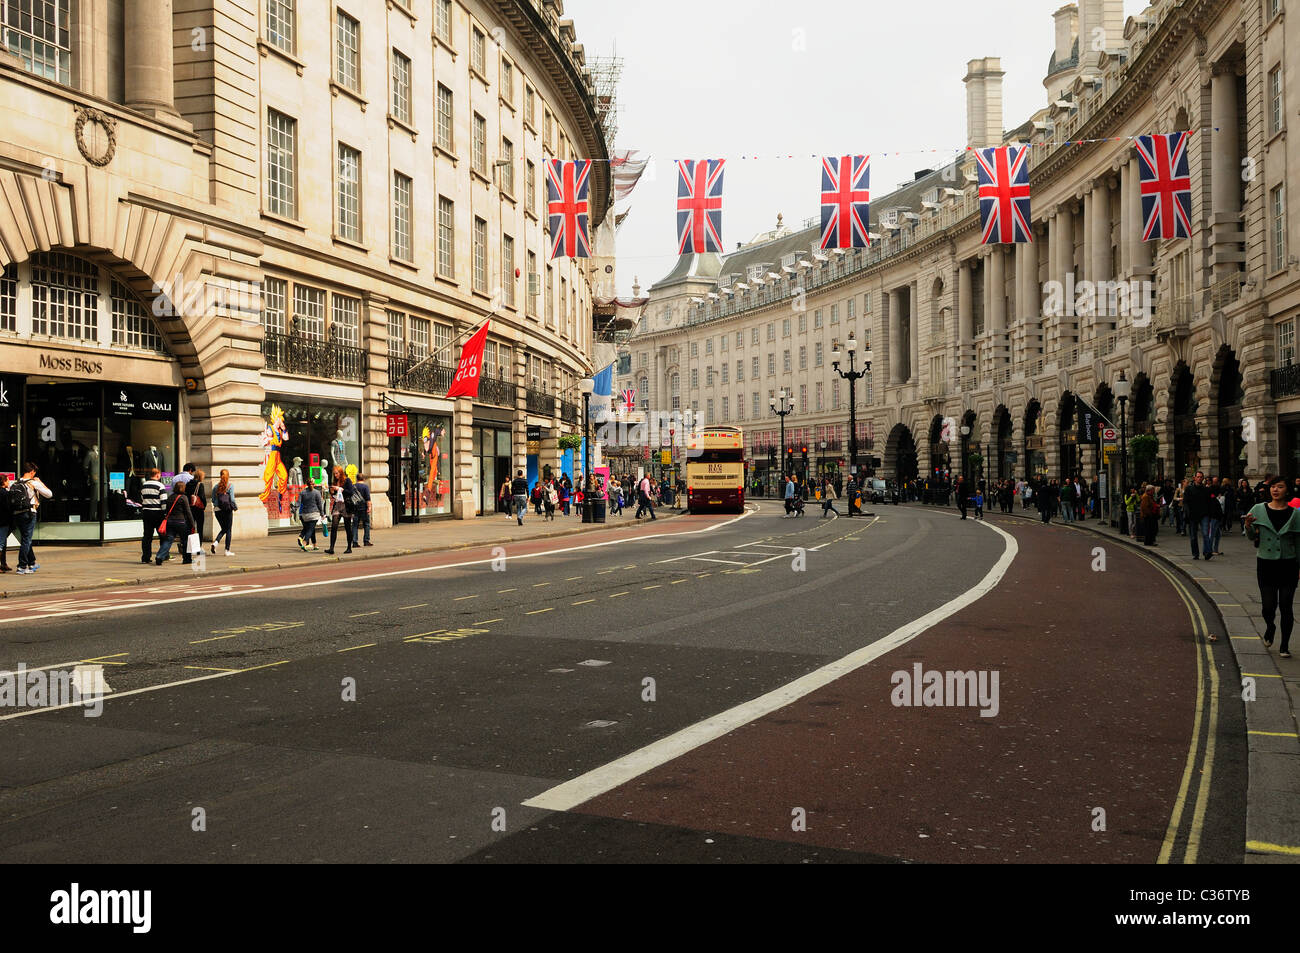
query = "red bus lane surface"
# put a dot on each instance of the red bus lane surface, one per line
(1095, 708)
(55, 605)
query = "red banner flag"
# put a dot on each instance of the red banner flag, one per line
(470, 368)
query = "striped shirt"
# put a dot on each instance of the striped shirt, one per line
(151, 496)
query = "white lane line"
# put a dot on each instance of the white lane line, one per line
(729, 562)
(141, 604)
(570, 794)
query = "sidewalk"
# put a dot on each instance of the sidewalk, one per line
(1228, 581)
(68, 567)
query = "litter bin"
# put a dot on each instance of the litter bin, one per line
(597, 510)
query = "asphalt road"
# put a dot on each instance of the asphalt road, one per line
(406, 709)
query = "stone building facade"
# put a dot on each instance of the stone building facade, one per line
(236, 233)
(971, 334)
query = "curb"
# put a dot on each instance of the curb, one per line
(1272, 832)
(267, 567)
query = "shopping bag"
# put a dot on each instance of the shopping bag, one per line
(193, 544)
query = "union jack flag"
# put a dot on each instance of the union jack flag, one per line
(846, 197)
(1004, 194)
(629, 399)
(567, 187)
(699, 205)
(1166, 186)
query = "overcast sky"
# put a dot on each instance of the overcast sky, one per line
(726, 78)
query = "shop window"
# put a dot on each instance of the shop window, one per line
(65, 297)
(420, 478)
(303, 442)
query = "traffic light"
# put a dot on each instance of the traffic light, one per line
(789, 459)
(803, 453)
(771, 455)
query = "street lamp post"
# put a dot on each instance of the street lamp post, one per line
(1121, 391)
(586, 386)
(965, 462)
(783, 406)
(852, 376)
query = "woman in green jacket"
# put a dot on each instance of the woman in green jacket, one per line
(1275, 528)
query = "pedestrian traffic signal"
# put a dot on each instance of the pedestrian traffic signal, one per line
(803, 453)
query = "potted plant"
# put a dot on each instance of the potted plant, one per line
(570, 441)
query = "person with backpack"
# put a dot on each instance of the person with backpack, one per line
(4, 521)
(178, 522)
(224, 506)
(24, 501)
(341, 508)
(310, 507)
(519, 493)
(152, 492)
(361, 519)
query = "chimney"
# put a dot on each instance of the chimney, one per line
(984, 102)
(1067, 29)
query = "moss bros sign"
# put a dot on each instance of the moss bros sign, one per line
(70, 364)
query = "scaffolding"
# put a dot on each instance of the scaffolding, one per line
(605, 73)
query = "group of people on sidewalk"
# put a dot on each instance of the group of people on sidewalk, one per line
(550, 494)
(349, 504)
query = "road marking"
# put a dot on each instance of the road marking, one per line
(211, 668)
(644, 588)
(486, 621)
(504, 591)
(582, 603)
(538, 585)
(353, 648)
(1275, 734)
(601, 572)
(463, 598)
(540, 611)
(214, 639)
(419, 605)
(615, 595)
(676, 581)
(570, 794)
(1265, 847)
(358, 615)
(102, 657)
(571, 578)
(226, 590)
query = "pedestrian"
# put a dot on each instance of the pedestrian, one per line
(504, 498)
(340, 509)
(538, 497)
(789, 496)
(152, 492)
(979, 504)
(563, 491)
(24, 504)
(1196, 503)
(1149, 513)
(551, 499)
(178, 523)
(645, 499)
(1026, 495)
(5, 520)
(223, 507)
(828, 499)
(1274, 527)
(361, 518)
(1067, 501)
(519, 492)
(310, 510)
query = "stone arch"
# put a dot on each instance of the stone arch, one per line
(1003, 442)
(1227, 388)
(1035, 446)
(1069, 448)
(1183, 404)
(940, 455)
(900, 459)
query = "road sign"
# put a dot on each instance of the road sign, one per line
(666, 458)
(1110, 450)
(1109, 435)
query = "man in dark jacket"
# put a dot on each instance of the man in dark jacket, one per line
(519, 490)
(1196, 504)
(178, 522)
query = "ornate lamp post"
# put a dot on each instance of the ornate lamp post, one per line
(965, 462)
(1121, 390)
(586, 386)
(783, 409)
(852, 376)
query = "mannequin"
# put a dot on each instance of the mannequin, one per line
(90, 463)
(339, 450)
(295, 472)
(153, 459)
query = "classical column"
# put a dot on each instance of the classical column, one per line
(148, 54)
(1225, 174)
(1139, 251)
(374, 434)
(462, 460)
(965, 318)
(914, 337)
(895, 337)
(1098, 255)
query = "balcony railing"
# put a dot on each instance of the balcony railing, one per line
(1225, 292)
(540, 402)
(493, 390)
(299, 356)
(569, 412)
(1174, 315)
(1285, 381)
(414, 373)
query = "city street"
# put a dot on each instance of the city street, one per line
(700, 689)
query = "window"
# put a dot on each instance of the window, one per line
(740, 340)
(771, 332)
(1277, 226)
(349, 193)
(753, 368)
(401, 87)
(803, 322)
(280, 19)
(446, 238)
(785, 328)
(480, 255)
(309, 313)
(402, 238)
(345, 319)
(550, 297)
(740, 371)
(530, 186)
(65, 297)
(771, 364)
(695, 378)
(508, 269)
(708, 376)
(835, 394)
(1286, 343)
(785, 360)
(36, 31)
(442, 20)
(821, 395)
(507, 80)
(547, 124)
(396, 334)
(850, 307)
(478, 52)
(675, 384)
(695, 349)
(478, 155)
(817, 319)
(281, 164)
(835, 314)
(726, 371)
(1275, 116)
(132, 326)
(274, 291)
(419, 337)
(708, 411)
(757, 408)
(445, 125)
(726, 408)
(866, 303)
(818, 354)
(803, 358)
(531, 277)
(508, 167)
(643, 359)
(441, 340)
(708, 346)
(347, 52)
(530, 105)
(1274, 7)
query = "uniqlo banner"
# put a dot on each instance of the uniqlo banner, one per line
(470, 368)
(397, 425)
